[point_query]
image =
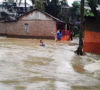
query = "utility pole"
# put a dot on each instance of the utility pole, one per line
(79, 51)
(25, 7)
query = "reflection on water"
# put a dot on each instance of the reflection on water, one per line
(24, 65)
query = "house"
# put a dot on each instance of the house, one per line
(92, 35)
(15, 7)
(35, 23)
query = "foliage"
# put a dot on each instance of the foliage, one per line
(33, 1)
(74, 17)
(10, 1)
(93, 5)
(39, 4)
(64, 2)
(75, 4)
(74, 12)
(88, 13)
(53, 7)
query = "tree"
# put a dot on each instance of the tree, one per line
(93, 5)
(10, 1)
(74, 12)
(39, 4)
(74, 17)
(33, 1)
(53, 7)
(64, 10)
(79, 50)
(64, 2)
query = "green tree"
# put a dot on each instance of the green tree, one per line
(64, 10)
(10, 1)
(74, 12)
(33, 1)
(39, 4)
(93, 5)
(64, 2)
(53, 7)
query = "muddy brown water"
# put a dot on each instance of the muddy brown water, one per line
(25, 65)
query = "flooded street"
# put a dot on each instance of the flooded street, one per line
(25, 65)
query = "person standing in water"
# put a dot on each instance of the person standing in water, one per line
(59, 35)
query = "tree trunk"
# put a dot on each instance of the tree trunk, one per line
(79, 51)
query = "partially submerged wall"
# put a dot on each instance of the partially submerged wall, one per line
(33, 24)
(92, 36)
(92, 42)
(3, 28)
(34, 28)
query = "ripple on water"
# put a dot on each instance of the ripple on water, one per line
(85, 87)
(37, 61)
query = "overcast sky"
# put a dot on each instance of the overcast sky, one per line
(28, 1)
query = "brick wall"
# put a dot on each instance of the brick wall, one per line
(3, 28)
(37, 28)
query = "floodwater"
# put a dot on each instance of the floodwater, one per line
(24, 65)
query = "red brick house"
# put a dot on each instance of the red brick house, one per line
(35, 23)
(92, 35)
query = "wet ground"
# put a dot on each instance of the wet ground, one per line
(24, 65)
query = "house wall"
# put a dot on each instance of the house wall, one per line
(36, 15)
(39, 25)
(36, 28)
(92, 35)
(92, 42)
(3, 28)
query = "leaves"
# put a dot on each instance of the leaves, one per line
(93, 5)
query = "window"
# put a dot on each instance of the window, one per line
(26, 28)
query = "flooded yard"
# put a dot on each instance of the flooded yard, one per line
(25, 65)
